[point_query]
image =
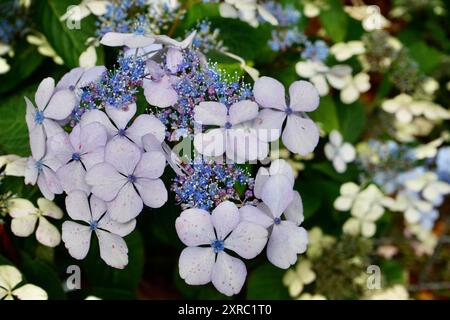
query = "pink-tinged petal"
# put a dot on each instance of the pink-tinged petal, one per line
(269, 93)
(77, 206)
(113, 249)
(160, 93)
(98, 207)
(93, 116)
(152, 192)
(285, 243)
(31, 173)
(59, 146)
(211, 143)
(294, 212)
(225, 217)
(242, 111)
(228, 274)
(121, 229)
(47, 234)
(151, 166)
(194, 227)
(247, 240)
(51, 127)
(261, 177)
(280, 166)
(105, 181)
(76, 238)
(89, 137)
(72, 177)
(196, 265)
(300, 135)
(243, 145)
(52, 181)
(44, 92)
(123, 155)
(91, 75)
(210, 113)
(255, 215)
(61, 105)
(70, 79)
(145, 124)
(303, 96)
(277, 194)
(30, 115)
(174, 58)
(126, 206)
(120, 117)
(37, 142)
(269, 123)
(92, 158)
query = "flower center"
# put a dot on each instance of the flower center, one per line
(228, 125)
(93, 225)
(39, 117)
(277, 221)
(122, 132)
(288, 111)
(131, 178)
(75, 156)
(39, 165)
(217, 246)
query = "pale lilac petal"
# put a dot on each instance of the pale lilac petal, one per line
(151, 166)
(121, 229)
(225, 218)
(37, 142)
(255, 215)
(72, 177)
(98, 207)
(91, 137)
(247, 240)
(70, 79)
(123, 155)
(151, 143)
(269, 123)
(174, 58)
(281, 166)
(145, 124)
(285, 243)
(105, 181)
(44, 92)
(51, 180)
(61, 105)
(160, 93)
(261, 177)
(153, 192)
(113, 249)
(126, 206)
(51, 127)
(269, 93)
(92, 158)
(30, 115)
(47, 234)
(76, 238)
(100, 117)
(303, 96)
(228, 274)
(77, 206)
(114, 39)
(194, 227)
(139, 41)
(300, 135)
(91, 75)
(155, 70)
(121, 116)
(243, 145)
(51, 162)
(59, 146)
(243, 111)
(294, 212)
(277, 194)
(211, 143)
(31, 173)
(210, 113)
(196, 265)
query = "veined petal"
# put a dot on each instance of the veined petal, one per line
(228, 274)
(194, 227)
(196, 264)
(269, 93)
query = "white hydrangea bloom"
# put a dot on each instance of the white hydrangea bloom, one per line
(10, 288)
(339, 152)
(295, 279)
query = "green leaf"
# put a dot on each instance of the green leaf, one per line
(393, 272)
(13, 128)
(68, 41)
(335, 20)
(352, 121)
(24, 63)
(427, 57)
(39, 273)
(326, 114)
(266, 282)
